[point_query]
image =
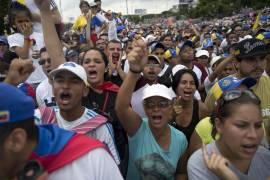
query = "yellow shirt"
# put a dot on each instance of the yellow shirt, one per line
(204, 130)
(80, 22)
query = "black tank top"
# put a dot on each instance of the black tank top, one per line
(194, 121)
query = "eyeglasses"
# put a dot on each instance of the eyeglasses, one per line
(43, 61)
(233, 95)
(161, 104)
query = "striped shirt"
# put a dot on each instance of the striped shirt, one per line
(90, 123)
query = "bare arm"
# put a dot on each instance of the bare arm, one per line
(220, 68)
(26, 30)
(88, 30)
(130, 120)
(195, 143)
(181, 170)
(52, 42)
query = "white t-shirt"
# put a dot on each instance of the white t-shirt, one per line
(17, 40)
(44, 94)
(31, 5)
(198, 73)
(103, 133)
(95, 165)
(112, 31)
(136, 101)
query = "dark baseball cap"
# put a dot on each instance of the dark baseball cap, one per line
(250, 48)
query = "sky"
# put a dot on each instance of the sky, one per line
(70, 8)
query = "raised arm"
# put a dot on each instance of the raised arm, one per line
(130, 120)
(52, 42)
(221, 67)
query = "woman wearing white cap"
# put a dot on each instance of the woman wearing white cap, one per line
(154, 146)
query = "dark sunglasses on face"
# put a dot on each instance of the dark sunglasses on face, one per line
(43, 61)
(161, 104)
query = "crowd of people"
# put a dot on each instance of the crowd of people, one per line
(108, 99)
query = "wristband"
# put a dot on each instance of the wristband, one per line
(135, 72)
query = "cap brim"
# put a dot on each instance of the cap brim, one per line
(260, 53)
(249, 82)
(154, 57)
(56, 71)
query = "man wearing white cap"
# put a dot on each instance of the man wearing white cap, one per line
(69, 82)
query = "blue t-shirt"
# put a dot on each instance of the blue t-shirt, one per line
(147, 160)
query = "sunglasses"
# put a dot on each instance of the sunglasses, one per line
(233, 95)
(43, 61)
(160, 105)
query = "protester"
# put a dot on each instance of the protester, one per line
(239, 122)
(63, 154)
(69, 82)
(159, 143)
(25, 42)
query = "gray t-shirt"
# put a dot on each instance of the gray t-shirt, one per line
(259, 168)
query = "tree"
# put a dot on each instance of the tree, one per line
(4, 6)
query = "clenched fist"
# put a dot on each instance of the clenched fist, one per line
(137, 58)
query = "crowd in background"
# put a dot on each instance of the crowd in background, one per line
(110, 99)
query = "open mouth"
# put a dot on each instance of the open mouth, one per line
(115, 57)
(48, 71)
(250, 148)
(156, 119)
(188, 93)
(65, 97)
(92, 74)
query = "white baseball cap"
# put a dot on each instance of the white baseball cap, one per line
(177, 68)
(202, 53)
(158, 90)
(214, 60)
(73, 67)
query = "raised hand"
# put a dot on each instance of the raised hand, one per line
(26, 29)
(43, 5)
(19, 71)
(218, 165)
(111, 66)
(177, 107)
(138, 56)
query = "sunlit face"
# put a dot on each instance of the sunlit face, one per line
(158, 111)
(244, 127)
(186, 87)
(94, 65)
(151, 70)
(253, 67)
(45, 61)
(68, 90)
(115, 51)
